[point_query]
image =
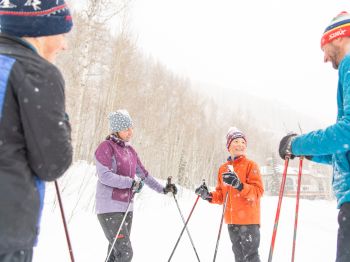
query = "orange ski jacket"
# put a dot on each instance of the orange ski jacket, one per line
(243, 207)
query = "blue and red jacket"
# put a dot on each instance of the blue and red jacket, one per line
(332, 144)
(35, 143)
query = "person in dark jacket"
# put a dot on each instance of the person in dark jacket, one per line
(120, 175)
(35, 143)
(332, 145)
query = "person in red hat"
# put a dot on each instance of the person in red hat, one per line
(332, 144)
(239, 178)
(35, 134)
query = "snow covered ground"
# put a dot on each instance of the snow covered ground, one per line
(157, 225)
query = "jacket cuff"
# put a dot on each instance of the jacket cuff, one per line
(240, 187)
(209, 197)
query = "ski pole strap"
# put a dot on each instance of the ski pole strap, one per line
(169, 180)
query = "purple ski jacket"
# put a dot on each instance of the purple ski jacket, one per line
(117, 164)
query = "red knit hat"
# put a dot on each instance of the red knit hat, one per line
(232, 134)
(339, 27)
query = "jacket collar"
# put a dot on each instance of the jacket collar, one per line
(117, 140)
(7, 39)
(236, 159)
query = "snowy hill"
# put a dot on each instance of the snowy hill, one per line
(269, 114)
(157, 225)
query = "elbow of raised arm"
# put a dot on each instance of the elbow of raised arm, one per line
(55, 169)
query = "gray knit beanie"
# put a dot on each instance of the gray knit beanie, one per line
(119, 120)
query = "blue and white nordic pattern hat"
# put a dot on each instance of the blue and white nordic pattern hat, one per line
(119, 120)
(34, 18)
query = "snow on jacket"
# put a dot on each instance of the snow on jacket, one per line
(117, 163)
(332, 144)
(34, 139)
(243, 208)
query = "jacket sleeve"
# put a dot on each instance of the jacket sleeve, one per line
(44, 121)
(142, 173)
(154, 184)
(104, 167)
(335, 138)
(253, 187)
(327, 159)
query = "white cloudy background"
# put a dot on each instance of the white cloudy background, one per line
(270, 48)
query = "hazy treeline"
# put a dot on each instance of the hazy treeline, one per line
(178, 131)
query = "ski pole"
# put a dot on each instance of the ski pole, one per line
(183, 229)
(297, 207)
(120, 227)
(222, 219)
(280, 196)
(230, 167)
(297, 202)
(183, 220)
(70, 249)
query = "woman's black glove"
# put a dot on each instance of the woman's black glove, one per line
(137, 185)
(170, 188)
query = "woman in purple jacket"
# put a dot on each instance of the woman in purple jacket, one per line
(117, 166)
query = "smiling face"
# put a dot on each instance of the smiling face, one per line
(238, 147)
(126, 134)
(335, 51)
(332, 53)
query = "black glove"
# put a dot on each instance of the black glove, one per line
(203, 192)
(170, 188)
(232, 179)
(285, 148)
(137, 185)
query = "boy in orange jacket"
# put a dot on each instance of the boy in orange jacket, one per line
(240, 179)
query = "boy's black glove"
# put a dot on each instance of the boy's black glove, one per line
(232, 179)
(203, 192)
(285, 148)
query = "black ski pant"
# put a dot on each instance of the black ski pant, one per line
(245, 241)
(17, 256)
(343, 242)
(110, 223)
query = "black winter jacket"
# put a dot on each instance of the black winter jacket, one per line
(35, 144)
